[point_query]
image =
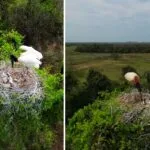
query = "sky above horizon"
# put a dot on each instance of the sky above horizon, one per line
(107, 20)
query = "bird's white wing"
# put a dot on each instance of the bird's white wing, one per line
(39, 55)
(32, 50)
(33, 54)
(25, 48)
(29, 61)
(130, 76)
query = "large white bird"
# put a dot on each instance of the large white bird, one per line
(132, 77)
(135, 80)
(31, 50)
(30, 58)
(29, 61)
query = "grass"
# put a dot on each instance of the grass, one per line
(105, 63)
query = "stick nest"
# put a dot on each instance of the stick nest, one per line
(23, 82)
(136, 110)
(134, 97)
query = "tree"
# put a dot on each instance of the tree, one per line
(71, 81)
(96, 82)
(39, 27)
(128, 69)
(83, 94)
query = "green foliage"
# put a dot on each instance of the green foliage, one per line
(42, 26)
(147, 75)
(97, 81)
(128, 69)
(9, 44)
(146, 80)
(24, 125)
(100, 126)
(71, 81)
(28, 123)
(21, 126)
(82, 94)
(53, 101)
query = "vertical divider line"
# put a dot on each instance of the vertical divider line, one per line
(64, 73)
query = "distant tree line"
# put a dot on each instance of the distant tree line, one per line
(112, 47)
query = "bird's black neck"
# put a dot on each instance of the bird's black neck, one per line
(138, 86)
(13, 59)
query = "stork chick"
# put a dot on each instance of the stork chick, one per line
(135, 80)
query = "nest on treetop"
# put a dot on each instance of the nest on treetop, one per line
(21, 81)
(134, 97)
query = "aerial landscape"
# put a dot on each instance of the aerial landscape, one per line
(107, 75)
(103, 109)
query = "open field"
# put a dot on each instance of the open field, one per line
(105, 63)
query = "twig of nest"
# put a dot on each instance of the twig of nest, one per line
(134, 97)
(132, 116)
(25, 83)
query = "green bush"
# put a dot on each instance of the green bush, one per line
(21, 126)
(81, 94)
(28, 125)
(9, 44)
(100, 126)
(52, 105)
(39, 27)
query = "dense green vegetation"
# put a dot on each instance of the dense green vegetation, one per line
(30, 123)
(113, 47)
(105, 63)
(40, 23)
(95, 115)
(100, 126)
(25, 124)
(9, 44)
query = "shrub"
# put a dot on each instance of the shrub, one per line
(28, 125)
(128, 69)
(39, 27)
(52, 104)
(9, 44)
(99, 126)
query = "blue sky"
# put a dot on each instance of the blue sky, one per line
(107, 20)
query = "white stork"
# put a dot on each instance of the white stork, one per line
(134, 78)
(30, 58)
(31, 50)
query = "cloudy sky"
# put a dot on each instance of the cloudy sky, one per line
(107, 20)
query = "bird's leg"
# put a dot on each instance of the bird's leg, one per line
(143, 100)
(138, 86)
(27, 69)
(24, 70)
